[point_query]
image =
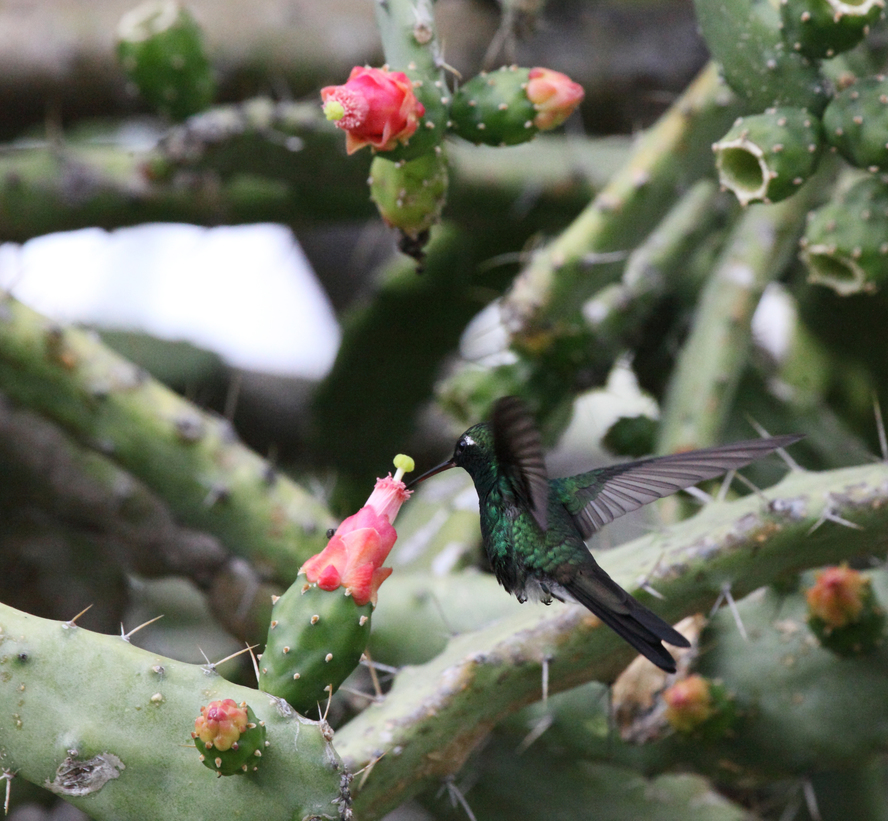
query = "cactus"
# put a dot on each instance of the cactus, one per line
(766, 157)
(824, 28)
(160, 46)
(104, 725)
(845, 245)
(856, 123)
(315, 641)
(744, 37)
(320, 626)
(506, 108)
(410, 193)
(230, 738)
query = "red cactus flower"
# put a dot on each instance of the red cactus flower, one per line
(353, 557)
(554, 96)
(837, 596)
(375, 107)
(220, 724)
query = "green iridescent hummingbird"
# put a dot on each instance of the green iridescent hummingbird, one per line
(534, 528)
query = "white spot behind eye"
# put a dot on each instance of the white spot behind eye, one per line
(468, 440)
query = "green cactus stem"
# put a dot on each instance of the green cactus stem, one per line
(493, 109)
(315, 641)
(230, 738)
(160, 46)
(105, 725)
(744, 36)
(189, 458)
(410, 194)
(767, 157)
(855, 123)
(845, 245)
(434, 715)
(824, 28)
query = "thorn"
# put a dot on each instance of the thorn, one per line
(376, 699)
(378, 665)
(699, 494)
(232, 395)
(880, 426)
(127, 636)
(211, 666)
(811, 800)
(72, 622)
(649, 588)
(367, 769)
(7, 776)
(754, 488)
(725, 486)
(725, 596)
(456, 796)
(546, 660)
(536, 731)
(781, 452)
(829, 515)
(373, 677)
(327, 709)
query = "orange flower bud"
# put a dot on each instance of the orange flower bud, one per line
(554, 96)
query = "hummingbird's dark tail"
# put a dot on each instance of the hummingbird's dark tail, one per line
(625, 615)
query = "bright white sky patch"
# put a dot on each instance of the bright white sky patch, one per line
(246, 292)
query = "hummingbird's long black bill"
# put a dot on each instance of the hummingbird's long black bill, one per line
(450, 463)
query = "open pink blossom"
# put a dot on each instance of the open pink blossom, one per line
(220, 724)
(554, 96)
(353, 557)
(375, 107)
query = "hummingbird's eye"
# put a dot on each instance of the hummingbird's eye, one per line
(460, 447)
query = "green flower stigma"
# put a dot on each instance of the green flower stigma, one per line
(334, 110)
(404, 464)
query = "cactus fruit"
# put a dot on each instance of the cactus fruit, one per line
(410, 193)
(744, 37)
(843, 612)
(230, 738)
(766, 157)
(845, 245)
(824, 28)
(318, 631)
(700, 707)
(512, 105)
(855, 123)
(161, 49)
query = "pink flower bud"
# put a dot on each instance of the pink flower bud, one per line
(220, 724)
(554, 96)
(375, 107)
(837, 596)
(688, 703)
(353, 557)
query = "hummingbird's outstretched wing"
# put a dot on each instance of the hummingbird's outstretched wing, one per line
(599, 496)
(519, 454)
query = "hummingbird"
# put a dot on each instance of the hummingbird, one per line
(534, 529)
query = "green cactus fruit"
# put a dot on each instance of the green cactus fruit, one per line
(845, 245)
(161, 49)
(843, 612)
(316, 639)
(767, 157)
(493, 108)
(824, 28)
(855, 123)
(744, 37)
(410, 193)
(229, 737)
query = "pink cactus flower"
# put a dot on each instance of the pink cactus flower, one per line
(554, 96)
(375, 107)
(353, 558)
(837, 596)
(220, 724)
(688, 703)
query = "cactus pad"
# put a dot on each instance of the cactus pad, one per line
(856, 123)
(824, 28)
(493, 109)
(411, 193)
